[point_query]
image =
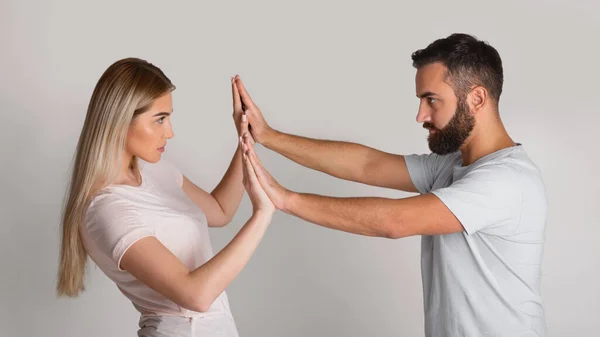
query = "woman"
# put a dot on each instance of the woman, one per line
(144, 223)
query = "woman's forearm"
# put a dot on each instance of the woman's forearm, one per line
(213, 277)
(230, 189)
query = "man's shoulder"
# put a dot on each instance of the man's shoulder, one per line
(514, 171)
(516, 162)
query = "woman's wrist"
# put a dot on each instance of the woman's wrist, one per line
(263, 213)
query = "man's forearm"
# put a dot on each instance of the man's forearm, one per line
(365, 216)
(343, 160)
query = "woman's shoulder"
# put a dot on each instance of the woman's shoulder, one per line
(109, 203)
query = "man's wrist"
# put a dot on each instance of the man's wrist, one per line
(290, 199)
(270, 138)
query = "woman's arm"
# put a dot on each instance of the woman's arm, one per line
(149, 261)
(153, 264)
(221, 204)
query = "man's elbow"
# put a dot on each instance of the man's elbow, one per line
(395, 229)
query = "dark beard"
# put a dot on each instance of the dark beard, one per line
(452, 136)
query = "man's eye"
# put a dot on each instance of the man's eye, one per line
(431, 100)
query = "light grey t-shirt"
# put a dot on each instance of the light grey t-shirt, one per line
(484, 281)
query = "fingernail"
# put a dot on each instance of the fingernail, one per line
(244, 117)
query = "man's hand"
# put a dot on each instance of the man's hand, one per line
(277, 193)
(259, 128)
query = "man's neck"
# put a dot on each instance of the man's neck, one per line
(486, 139)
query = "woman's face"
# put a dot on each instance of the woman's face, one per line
(149, 131)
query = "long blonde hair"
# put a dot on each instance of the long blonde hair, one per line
(126, 89)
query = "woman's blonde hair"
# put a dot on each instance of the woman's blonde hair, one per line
(126, 89)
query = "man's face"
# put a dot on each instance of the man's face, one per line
(447, 117)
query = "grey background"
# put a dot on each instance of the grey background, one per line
(337, 70)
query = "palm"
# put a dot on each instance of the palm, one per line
(258, 125)
(256, 193)
(275, 192)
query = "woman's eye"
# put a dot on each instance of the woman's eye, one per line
(161, 120)
(431, 100)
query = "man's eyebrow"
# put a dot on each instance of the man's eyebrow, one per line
(427, 94)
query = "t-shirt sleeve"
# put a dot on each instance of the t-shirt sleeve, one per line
(114, 225)
(425, 168)
(488, 197)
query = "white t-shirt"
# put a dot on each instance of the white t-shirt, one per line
(484, 281)
(120, 215)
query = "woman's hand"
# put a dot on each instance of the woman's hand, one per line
(259, 198)
(239, 117)
(278, 194)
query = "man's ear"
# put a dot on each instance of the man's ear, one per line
(477, 98)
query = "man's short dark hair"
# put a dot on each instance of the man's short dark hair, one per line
(470, 63)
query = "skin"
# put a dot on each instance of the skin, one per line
(150, 261)
(148, 134)
(392, 218)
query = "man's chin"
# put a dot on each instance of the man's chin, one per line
(439, 150)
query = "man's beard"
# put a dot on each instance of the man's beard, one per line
(452, 136)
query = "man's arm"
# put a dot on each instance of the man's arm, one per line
(344, 160)
(381, 217)
(392, 218)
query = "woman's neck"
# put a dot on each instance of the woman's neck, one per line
(129, 173)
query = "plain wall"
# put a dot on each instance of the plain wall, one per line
(335, 70)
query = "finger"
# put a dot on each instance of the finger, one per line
(237, 101)
(248, 139)
(252, 177)
(244, 124)
(241, 144)
(243, 151)
(244, 170)
(246, 100)
(260, 171)
(247, 131)
(247, 143)
(253, 154)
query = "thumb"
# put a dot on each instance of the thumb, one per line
(244, 123)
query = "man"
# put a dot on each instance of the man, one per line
(482, 204)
